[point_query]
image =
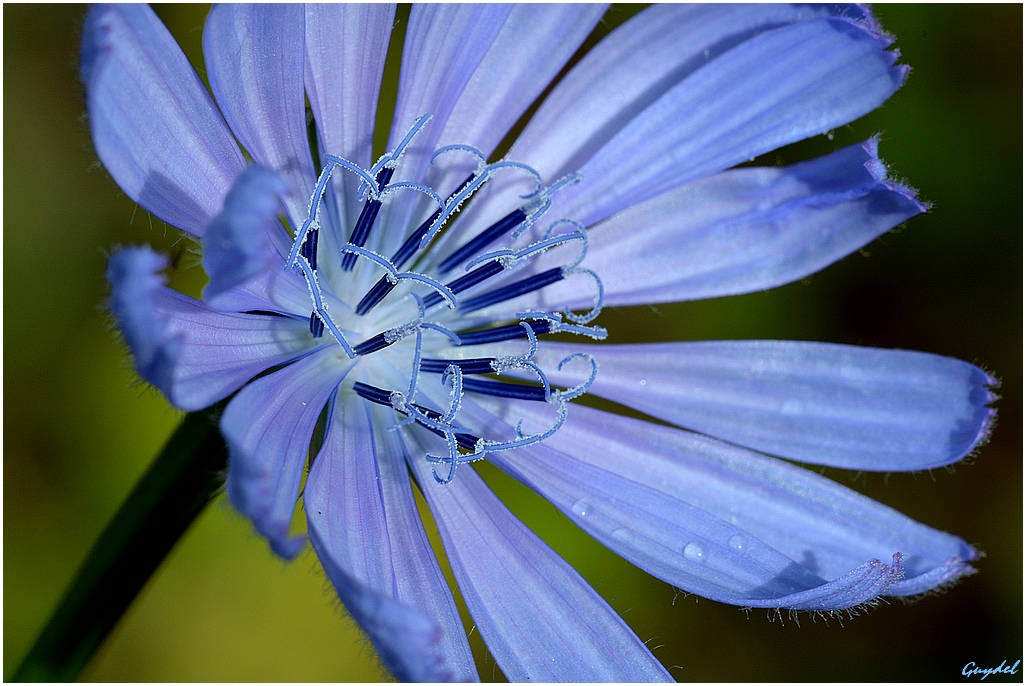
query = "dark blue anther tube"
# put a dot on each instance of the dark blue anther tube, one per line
(485, 271)
(504, 390)
(409, 247)
(509, 332)
(372, 345)
(309, 249)
(383, 397)
(366, 220)
(482, 240)
(316, 325)
(478, 365)
(513, 290)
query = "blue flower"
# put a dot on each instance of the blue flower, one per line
(435, 308)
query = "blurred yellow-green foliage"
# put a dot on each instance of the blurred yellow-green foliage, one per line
(79, 429)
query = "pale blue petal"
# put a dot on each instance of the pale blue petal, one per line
(538, 617)
(345, 55)
(445, 44)
(364, 525)
(218, 352)
(255, 56)
(237, 243)
(727, 523)
(748, 229)
(154, 125)
(277, 290)
(735, 232)
(247, 273)
(534, 44)
(635, 65)
(268, 426)
(781, 86)
(837, 405)
(196, 356)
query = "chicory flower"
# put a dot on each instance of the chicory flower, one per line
(435, 306)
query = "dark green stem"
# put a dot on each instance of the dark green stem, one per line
(179, 484)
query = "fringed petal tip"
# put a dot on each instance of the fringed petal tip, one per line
(878, 170)
(407, 642)
(258, 509)
(237, 244)
(936, 580)
(134, 275)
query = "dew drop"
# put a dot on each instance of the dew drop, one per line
(694, 552)
(737, 542)
(642, 382)
(580, 508)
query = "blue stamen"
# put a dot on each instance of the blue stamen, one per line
(513, 290)
(393, 275)
(383, 287)
(309, 249)
(504, 333)
(466, 281)
(483, 240)
(505, 390)
(428, 418)
(366, 221)
(456, 394)
(599, 297)
(372, 345)
(513, 256)
(478, 365)
(316, 326)
(319, 308)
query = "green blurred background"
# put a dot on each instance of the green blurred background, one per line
(79, 429)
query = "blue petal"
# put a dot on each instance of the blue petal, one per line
(255, 61)
(218, 352)
(246, 271)
(539, 618)
(268, 426)
(196, 356)
(345, 55)
(154, 125)
(837, 405)
(637, 64)
(738, 231)
(135, 283)
(444, 45)
(533, 45)
(726, 523)
(237, 243)
(364, 525)
(748, 229)
(781, 86)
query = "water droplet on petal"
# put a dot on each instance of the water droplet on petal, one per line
(580, 508)
(737, 542)
(642, 382)
(694, 552)
(622, 536)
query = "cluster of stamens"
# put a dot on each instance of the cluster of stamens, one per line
(461, 375)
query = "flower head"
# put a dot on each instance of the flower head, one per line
(436, 306)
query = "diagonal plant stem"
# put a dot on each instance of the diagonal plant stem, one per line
(182, 480)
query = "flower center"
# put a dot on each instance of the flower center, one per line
(443, 301)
